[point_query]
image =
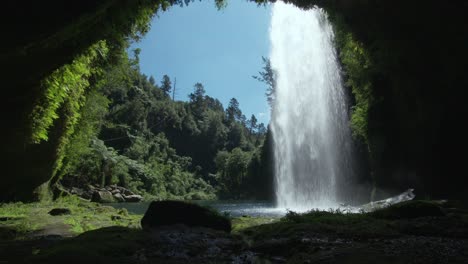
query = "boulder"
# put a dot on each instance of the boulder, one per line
(102, 197)
(87, 195)
(163, 213)
(119, 197)
(76, 191)
(60, 211)
(134, 198)
(126, 191)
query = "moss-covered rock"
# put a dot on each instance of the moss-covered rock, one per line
(162, 213)
(103, 197)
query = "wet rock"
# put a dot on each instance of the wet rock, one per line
(119, 197)
(102, 197)
(163, 213)
(133, 198)
(407, 195)
(60, 211)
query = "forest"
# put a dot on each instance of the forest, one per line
(133, 134)
(81, 119)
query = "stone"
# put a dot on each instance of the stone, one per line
(134, 198)
(163, 213)
(119, 197)
(102, 197)
(127, 192)
(60, 211)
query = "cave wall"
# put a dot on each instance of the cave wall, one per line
(40, 37)
(418, 48)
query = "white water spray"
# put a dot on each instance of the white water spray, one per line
(312, 140)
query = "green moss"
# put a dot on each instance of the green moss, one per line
(240, 224)
(330, 223)
(28, 219)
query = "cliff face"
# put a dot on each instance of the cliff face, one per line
(39, 38)
(415, 129)
(419, 60)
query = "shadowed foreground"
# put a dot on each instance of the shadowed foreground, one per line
(410, 232)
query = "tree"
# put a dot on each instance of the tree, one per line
(197, 101)
(232, 171)
(268, 76)
(261, 129)
(166, 85)
(252, 123)
(233, 112)
(151, 80)
(198, 94)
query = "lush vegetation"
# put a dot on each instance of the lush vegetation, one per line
(133, 134)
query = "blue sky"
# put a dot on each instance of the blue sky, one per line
(220, 49)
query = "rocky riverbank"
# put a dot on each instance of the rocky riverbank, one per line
(107, 194)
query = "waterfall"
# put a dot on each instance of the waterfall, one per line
(312, 139)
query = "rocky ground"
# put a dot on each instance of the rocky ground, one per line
(392, 236)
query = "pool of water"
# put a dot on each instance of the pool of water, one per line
(267, 209)
(233, 208)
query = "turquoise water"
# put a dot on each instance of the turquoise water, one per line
(233, 208)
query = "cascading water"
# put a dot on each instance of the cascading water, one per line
(312, 140)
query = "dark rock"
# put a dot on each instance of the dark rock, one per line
(126, 191)
(102, 197)
(163, 213)
(60, 211)
(119, 197)
(134, 198)
(87, 195)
